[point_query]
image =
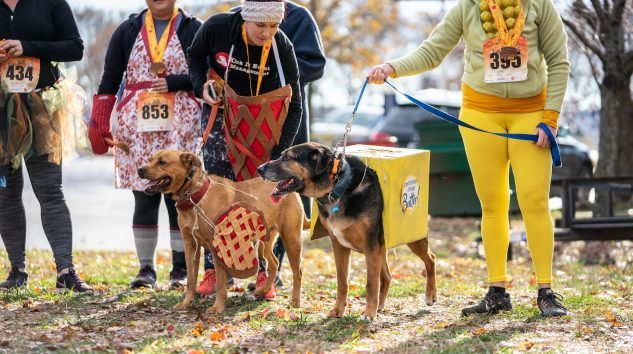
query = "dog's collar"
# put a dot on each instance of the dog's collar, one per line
(195, 198)
(341, 182)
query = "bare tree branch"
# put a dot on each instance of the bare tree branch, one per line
(582, 36)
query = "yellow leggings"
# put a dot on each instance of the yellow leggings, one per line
(489, 158)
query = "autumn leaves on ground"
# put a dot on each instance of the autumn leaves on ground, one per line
(598, 293)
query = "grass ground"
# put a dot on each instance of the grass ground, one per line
(116, 319)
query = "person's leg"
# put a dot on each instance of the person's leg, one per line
(279, 251)
(13, 228)
(145, 229)
(178, 274)
(532, 167)
(303, 136)
(46, 179)
(489, 164)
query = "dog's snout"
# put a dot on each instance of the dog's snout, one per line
(261, 169)
(141, 172)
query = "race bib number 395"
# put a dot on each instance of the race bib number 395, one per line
(19, 75)
(155, 111)
(505, 64)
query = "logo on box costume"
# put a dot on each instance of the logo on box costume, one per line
(410, 194)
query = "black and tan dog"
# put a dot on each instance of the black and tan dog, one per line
(350, 208)
(181, 176)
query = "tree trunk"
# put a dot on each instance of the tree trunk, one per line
(616, 125)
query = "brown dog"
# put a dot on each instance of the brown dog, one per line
(350, 209)
(180, 175)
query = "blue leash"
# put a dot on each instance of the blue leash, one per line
(556, 160)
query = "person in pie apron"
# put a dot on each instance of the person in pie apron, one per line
(252, 68)
(157, 111)
(34, 33)
(515, 77)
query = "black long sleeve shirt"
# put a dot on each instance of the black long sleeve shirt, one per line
(47, 31)
(121, 45)
(212, 45)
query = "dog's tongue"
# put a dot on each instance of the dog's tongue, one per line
(149, 184)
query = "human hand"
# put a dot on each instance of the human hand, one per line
(11, 48)
(379, 73)
(543, 139)
(160, 85)
(207, 97)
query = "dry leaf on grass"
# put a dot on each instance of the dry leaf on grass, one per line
(585, 329)
(441, 325)
(478, 331)
(612, 318)
(195, 351)
(197, 331)
(526, 345)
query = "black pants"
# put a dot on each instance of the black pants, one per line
(46, 178)
(146, 209)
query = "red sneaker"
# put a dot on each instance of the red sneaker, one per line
(261, 279)
(207, 285)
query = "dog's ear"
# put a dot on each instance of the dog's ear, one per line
(321, 158)
(189, 159)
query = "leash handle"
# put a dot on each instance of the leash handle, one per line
(554, 149)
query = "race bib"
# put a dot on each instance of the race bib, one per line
(505, 64)
(19, 75)
(155, 112)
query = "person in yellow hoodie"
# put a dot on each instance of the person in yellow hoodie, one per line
(515, 76)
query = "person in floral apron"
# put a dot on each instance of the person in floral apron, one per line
(33, 114)
(253, 69)
(157, 110)
(515, 77)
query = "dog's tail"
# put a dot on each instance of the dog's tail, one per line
(306, 223)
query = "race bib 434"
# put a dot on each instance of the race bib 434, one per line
(19, 75)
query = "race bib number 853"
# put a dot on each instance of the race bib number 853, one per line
(155, 111)
(20, 75)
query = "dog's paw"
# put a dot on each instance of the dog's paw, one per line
(215, 310)
(431, 299)
(368, 316)
(295, 303)
(183, 305)
(336, 313)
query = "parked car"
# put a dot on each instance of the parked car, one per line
(331, 128)
(452, 191)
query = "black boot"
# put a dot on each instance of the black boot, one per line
(146, 278)
(493, 302)
(71, 281)
(177, 277)
(549, 303)
(16, 279)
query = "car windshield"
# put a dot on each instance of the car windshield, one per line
(362, 118)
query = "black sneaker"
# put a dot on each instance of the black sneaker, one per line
(550, 303)
(71, 281)
(146, 278)
(177, 278)
(16, 279)
(278, 284)
(491, 303)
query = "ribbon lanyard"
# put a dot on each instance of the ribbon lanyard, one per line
(507, 39)
(555, 151)
(157, 48)
(262, 61)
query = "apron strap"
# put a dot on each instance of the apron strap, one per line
(282, 77)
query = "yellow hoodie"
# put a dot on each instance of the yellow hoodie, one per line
(548, 66)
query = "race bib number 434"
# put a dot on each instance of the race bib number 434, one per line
(155, 111)
(19, 75)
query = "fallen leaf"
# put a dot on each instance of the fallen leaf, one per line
(216, 336)
(195, 351)
(478, 331)
(280, 313)
(198, 330)
(585, 329)
(441, 325)
(265, 312)
(526, 345)
(612, 318)
(125, 351)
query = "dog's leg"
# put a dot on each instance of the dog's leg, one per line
(292, 242)
(341, 258)
(272, 264)
(375, 258)
(385, 282)
(421, 249)
(220, 288)
(192, 259)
